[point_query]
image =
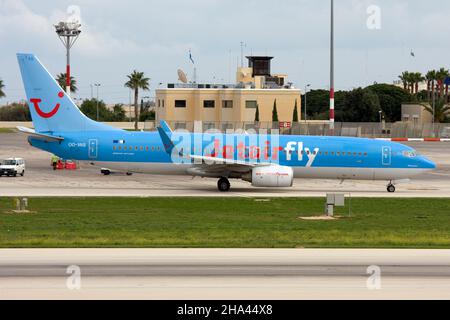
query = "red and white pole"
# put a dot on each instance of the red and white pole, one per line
(68, 66)
(332, 70)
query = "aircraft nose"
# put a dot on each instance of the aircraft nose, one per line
(427, 163)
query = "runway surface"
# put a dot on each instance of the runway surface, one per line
(40, 180)
(224, 274)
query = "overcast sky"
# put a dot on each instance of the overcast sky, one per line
(155, 37)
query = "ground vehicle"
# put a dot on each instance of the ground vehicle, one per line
(12, 167)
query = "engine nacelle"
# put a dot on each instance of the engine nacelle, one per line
(272, 176)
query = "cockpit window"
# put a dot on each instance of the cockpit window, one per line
(410, 154)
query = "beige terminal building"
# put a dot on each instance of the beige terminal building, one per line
(223, 106)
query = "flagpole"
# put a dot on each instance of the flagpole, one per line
(193, 63)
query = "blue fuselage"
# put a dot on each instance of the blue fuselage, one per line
(305, 153)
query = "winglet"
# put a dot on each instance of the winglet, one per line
(164, 126)
(166, 133)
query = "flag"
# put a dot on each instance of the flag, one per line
(190, 57)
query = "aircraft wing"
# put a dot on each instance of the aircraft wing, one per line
(222, 161)
(40, 136)
(209, 166)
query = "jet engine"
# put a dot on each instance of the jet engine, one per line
(271, 176)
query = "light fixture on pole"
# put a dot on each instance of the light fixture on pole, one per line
(68, 33)
(306, 92)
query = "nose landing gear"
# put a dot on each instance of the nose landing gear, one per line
(391, 188)
(223, 185)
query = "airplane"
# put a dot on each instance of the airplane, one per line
(263, 160)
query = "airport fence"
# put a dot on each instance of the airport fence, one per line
(348, 129)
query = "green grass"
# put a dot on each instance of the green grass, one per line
(224, 222)
(6, 130)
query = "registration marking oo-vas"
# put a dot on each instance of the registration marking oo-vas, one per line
(263, 160)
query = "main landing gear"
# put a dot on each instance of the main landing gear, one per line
(223, 185)
(391, 188)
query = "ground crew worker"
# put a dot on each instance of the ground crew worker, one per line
(54, 161)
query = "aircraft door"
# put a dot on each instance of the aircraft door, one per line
(386, 156)
(93, 148)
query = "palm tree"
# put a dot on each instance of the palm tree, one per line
(136, 81)
(61, 79)
(441, 110)
(418, 78)
(441, 75)
(2, 94)
(404, 77)
(431, 78)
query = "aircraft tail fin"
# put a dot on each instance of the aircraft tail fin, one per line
(51, 109)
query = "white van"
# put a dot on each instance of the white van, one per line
(12, 167)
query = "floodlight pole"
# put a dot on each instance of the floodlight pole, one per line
(332, 70)
(97, 85)
(68, 66)
(68, 33)
(306, 92)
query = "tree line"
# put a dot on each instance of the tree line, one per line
(358, 105)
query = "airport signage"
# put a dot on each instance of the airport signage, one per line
(285, 125)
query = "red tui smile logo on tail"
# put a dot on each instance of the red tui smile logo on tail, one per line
(46, 114)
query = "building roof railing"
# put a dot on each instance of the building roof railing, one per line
(267, 85)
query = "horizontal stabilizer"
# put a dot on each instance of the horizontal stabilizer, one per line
(40, 136)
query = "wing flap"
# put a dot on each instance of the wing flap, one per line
(223, 161)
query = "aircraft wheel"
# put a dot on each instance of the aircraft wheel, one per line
(23, 173)
(223, 185)
(391, 188)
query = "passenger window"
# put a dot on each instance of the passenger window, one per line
(153, 148)
(146, 148)
(365, 154)
(120, 148)
(338, 153)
